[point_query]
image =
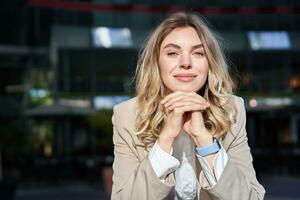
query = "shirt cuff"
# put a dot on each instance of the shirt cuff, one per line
(219, 163)
(162, 162)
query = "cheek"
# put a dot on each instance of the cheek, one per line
(164, 67)
(203, 66)
(203, 69)
(165, 73)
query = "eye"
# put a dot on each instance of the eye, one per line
(199, 53)
(172, 54)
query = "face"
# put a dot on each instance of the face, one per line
(182, 61)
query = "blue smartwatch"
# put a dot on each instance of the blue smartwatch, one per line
(210, 149)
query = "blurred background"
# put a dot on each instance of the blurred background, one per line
(65, 63)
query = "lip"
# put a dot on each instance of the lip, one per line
(185, 77)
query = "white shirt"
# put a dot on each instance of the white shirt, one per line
(181, 159)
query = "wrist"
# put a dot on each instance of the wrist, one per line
(168, 135)
(209, 150)
(165, 141)
(203, 140)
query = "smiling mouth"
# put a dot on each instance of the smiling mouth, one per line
(185, 78)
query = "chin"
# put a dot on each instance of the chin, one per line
(186, 89)
(194, 86)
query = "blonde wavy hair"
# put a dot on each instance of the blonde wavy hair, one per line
(150, 89)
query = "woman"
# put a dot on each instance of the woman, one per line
(183, 136)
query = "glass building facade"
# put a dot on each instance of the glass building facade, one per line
(58, 57)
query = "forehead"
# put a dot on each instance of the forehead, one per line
(182, 35)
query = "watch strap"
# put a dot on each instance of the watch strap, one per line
(209, 149)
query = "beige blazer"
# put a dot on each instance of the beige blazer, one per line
(135, 179)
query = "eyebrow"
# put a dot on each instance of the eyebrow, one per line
(178, 47)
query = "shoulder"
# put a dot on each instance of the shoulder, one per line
(237, 128)
(130, 103)
(125, 112)
(239, 105)
(240, 108)
(240, 116)
(238, 101)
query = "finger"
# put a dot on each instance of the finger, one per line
(176, 96)
(166, 110)
(178, 105)
(185, 99)
(184, 102)
(166, 98)
(191, 97)
(187, 108)
(199, 97)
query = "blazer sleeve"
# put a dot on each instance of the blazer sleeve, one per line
(238, 180)
(133, 178)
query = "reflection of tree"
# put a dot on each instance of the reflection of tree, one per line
(101, 122)
(41, 81)
(41, 137)
(11, 131)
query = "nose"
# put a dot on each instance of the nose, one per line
(185, 62)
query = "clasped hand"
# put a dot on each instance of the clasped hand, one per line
(183, 110)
